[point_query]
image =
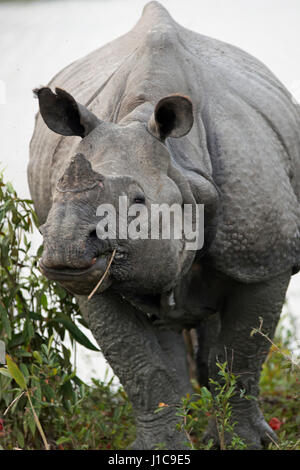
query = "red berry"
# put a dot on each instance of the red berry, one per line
(275, 423)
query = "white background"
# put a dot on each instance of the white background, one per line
(37, 39)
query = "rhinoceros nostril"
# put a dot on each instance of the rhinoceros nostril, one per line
(93, 235)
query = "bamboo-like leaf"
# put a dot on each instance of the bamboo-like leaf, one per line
(5, 321)
(75, 332)
(15, 372)
(5, 372)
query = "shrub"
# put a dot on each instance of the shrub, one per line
(35, 315)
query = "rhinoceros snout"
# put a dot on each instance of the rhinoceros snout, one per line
(63, 252)
(77, 265)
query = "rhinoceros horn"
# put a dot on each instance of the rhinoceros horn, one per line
(79, 176)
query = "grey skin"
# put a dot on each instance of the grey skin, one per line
(168, 115)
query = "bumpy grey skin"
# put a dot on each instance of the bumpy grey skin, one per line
(168, 115)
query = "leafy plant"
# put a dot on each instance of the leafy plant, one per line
(279, 400)
(34, 318)
(194, 411)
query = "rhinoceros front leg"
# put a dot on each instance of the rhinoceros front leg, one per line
(175, 356)
(245, 354)
(129, 342)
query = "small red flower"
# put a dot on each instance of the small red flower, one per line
(275, 423)
(1, 427)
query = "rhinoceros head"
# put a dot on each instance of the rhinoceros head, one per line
(116, 167)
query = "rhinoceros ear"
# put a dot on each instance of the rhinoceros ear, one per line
(63, 114)
(172, 117)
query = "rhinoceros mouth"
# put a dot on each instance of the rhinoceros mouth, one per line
(73, 274)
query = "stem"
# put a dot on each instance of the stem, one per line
(13, 402)
(274, 442)
(288, 358)
(37, 422)
(187, 433)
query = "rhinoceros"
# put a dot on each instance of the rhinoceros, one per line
(164, 115)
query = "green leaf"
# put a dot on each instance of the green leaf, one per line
(40, 251)
(205, 393)
(28, 331)
(48, 392)
(44, 301)
(24, 371)
(16, 340)
(5, 372)
(75, 332)
(5, 321)
(51, 339)
(9, 187)
(16, 373)
(38, 357)
(20, 438)
(37, 394)
(63, 440)
(31, 423)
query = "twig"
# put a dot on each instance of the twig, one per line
(104, 275)
(188, 435)
(13, 402)
(273, 440)
(277, 349)
(35, 416)
(37, 422)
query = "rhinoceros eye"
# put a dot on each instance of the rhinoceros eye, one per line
(139, 199)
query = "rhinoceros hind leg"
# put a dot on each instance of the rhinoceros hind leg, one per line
(207, 334)
(247, 307)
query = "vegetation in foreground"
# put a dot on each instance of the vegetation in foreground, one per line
(279, 401)
(43, 404)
